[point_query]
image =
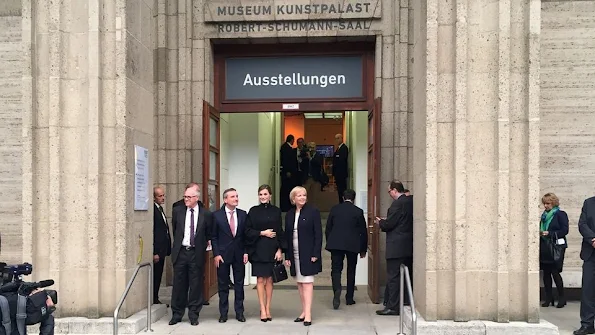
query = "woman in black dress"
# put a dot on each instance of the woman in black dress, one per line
(264, 238)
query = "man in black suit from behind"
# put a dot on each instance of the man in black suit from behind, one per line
(229, 225)
(586, 226)
(340, 166)
(161, 240)
(398, 226)
(346, 236)
(191, 233)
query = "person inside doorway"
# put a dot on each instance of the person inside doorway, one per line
(340, 166)
(289, 168)
(302, 158)
(398, 226)
(314, 173)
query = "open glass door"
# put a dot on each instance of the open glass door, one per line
(373, 181)
(211, 184)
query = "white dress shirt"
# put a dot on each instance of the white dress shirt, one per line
(235, 219)
(162, 213)
(186, 240)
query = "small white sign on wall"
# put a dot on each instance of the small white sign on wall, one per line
(291, 106)
(141, 178)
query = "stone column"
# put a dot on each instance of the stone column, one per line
(476, 159)
(88, 88)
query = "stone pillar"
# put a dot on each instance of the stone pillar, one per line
(476, 159)
(88, 88)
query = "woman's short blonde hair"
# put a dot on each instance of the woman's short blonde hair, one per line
(551, 198)
(294, 192)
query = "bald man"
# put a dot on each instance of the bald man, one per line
(340, 166)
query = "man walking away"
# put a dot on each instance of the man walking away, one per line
(346, 236)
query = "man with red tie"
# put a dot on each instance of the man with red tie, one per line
(229, 224)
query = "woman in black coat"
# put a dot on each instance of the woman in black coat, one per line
(553, 228)
(303, 235)
(264, 239)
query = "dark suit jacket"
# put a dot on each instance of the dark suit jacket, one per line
(340, 162)
(181, 203)
(309, 240)
(399, 228)
(314, 168)
(288, 158)
(586, 226)
(558, 229)
(346, 228)
(231, 248)
(202, 235)
(161, 238)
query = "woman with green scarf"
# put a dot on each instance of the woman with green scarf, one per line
(553, 229)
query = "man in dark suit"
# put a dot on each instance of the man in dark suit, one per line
(301, 152)
(586, 226)
(315, 178)
(398, 226)
(340, 166)
(289, 169)
(161, 240)
(192, 227)
(229, 224)
(346, 236)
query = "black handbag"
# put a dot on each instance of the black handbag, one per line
(279, 272)
(556, 248)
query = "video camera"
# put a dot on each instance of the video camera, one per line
(12, 281)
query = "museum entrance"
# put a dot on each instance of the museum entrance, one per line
(288, 80)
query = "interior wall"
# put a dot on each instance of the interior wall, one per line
(356, 139)
(322, 131)
(265, 149)
(294, 125)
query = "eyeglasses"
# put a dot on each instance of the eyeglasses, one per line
(189, 196)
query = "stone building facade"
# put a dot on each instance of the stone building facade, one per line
(486, 105)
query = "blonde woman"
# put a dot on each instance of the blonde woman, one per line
(303, 235)
(553, 229)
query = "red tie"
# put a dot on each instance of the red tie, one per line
(232, 224)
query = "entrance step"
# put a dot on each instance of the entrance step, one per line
(79, 325)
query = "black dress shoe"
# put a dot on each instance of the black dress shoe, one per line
(336, 299)
(299, 319)
(387, 311)
(350, 302)
(157, 302)
(174, 321)
(241, 318)
(206, 303)
(307, 323)
(194, 322)
(584, 330)
(222, 319)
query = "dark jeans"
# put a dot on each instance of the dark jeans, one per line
(188, 285)
(393, 269)
(588, 292)
(46, 327)
(337, 257)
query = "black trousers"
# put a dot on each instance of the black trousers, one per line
(337, 257)
(188, 285)
(393, 269)
(157, 275)
(588, 292)
(46, 327)
(551, 271)
(287, 184)
(341, 187)
(223, 281)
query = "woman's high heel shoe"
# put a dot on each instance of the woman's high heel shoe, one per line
(269, 319)
(561, 302)
(547, 303)
(298, 319)
(307, 323)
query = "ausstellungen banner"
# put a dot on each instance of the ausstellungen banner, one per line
(294, 77)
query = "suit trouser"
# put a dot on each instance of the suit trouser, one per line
(341, 187)
(588, 292)
(188, 285)
(157, 275)
(287, 184)
(393, 269)
(239, 270)
(337, 257)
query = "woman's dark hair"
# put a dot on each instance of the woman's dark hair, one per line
(265, 187)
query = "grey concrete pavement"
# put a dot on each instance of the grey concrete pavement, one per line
(567, 319)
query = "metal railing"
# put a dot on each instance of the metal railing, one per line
(405, 278)
(127, 290)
